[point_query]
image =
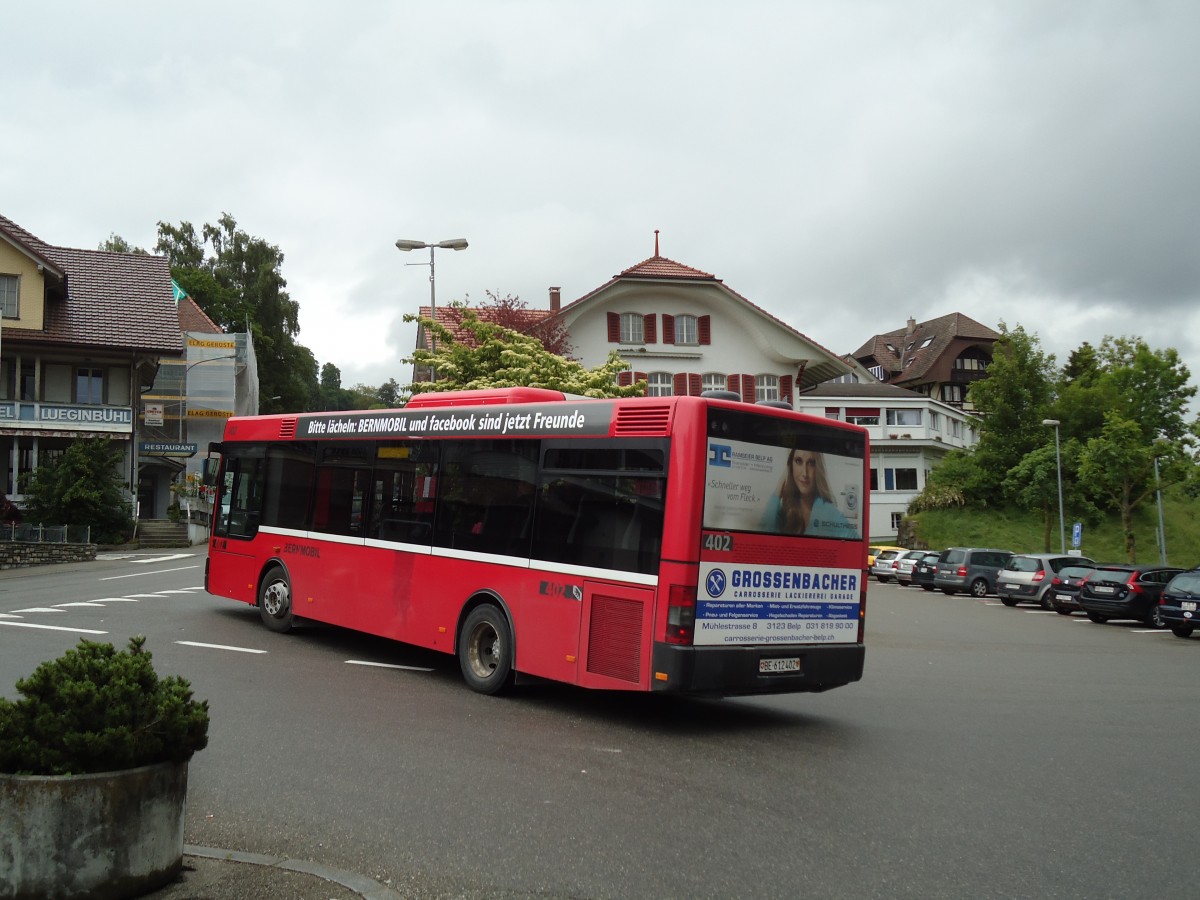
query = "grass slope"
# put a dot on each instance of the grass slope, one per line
(1023, 532)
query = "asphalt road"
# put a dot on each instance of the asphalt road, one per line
(988, 752)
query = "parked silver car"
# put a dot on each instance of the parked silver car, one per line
(1029, 577)
(882, 567)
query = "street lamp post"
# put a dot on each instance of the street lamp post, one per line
(453, 244)
(1062, 526)
(1162, 531)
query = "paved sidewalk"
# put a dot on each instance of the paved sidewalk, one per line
(212, 874)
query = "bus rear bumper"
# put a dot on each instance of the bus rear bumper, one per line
(731, 671)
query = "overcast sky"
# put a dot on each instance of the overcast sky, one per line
(843, 164)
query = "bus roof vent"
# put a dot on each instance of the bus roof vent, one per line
(649, 419)
(287, 428)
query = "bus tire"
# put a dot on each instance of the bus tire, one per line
(485, 650)
(275, 600)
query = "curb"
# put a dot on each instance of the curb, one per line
(360, 884)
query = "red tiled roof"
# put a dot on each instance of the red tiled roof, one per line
(661, 267)
(193, 318)
(26, 242)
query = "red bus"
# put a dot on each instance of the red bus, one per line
(644, 544)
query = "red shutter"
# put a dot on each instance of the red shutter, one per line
(695, 385)
(625, 378)
(733, 383)
(679, 384)
(704, 329)
(640, 376)
(747, 388)
(862, 411)
(614, 327)
(668, 329)
(785, 388)
(651, 329)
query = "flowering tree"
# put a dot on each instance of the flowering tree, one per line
(492, 356)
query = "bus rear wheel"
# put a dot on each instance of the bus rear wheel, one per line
(485, 650)
(275, 600)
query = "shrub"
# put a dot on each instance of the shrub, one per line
(96, 709)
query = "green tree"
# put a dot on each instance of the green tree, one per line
(83, 486)
(1013, 400)
(1033, 484)
(494, 356)
(389, 394)
(237, 280)
(118, 244)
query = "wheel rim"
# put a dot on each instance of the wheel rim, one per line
(979, 589)
(276, 600)
(484, 650)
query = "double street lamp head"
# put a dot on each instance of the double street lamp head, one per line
(453, 244)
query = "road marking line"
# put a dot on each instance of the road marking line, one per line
(115, 600)
(53, 627)
(38, 609)
(218, 647)
(144, 574)
(379, 665)
(1150, 631)
(145, 595)
(79, 603)
(172, 592)
(158, 559)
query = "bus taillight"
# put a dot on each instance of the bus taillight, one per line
(681, 613)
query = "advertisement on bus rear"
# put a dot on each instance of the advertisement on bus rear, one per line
(760, 604)
(782, 490)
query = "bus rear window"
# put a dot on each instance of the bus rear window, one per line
(782, 477)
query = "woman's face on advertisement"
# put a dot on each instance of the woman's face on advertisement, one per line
(804, 471)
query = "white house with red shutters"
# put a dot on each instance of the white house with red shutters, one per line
(684, 331)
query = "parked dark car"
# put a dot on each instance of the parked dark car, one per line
(970, 569)
(1125, 592)
(1026, 578)
(1064, 588)
(925, 569)
(1179, 605)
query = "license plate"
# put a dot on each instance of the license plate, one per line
(1009, 587)
(1062, 596)
(1188, 604)
(1102, 589)
(785, 664)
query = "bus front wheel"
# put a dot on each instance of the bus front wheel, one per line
(485, 650)
(275, 600)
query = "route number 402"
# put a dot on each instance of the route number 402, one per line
(722, 542)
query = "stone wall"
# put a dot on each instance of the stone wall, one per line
(18, 555)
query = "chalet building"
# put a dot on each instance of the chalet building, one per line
(81, 336)
(683, 331)
(940, 358)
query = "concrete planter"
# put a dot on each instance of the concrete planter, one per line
(104, 836)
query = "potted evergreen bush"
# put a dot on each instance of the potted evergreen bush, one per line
(93, 775)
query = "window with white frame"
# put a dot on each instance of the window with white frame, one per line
(899, 479)
(633, 328)
(952, 393)
(8, 296)
(904, 417)
(935, 421)
(658, 384)
(713, 381)
(956, 427)
(766, 387)
(685, 330)
(897, 518)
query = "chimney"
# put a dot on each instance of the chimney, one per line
(555, 299)
(912, 326)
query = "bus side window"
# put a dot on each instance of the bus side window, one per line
(485, 497)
